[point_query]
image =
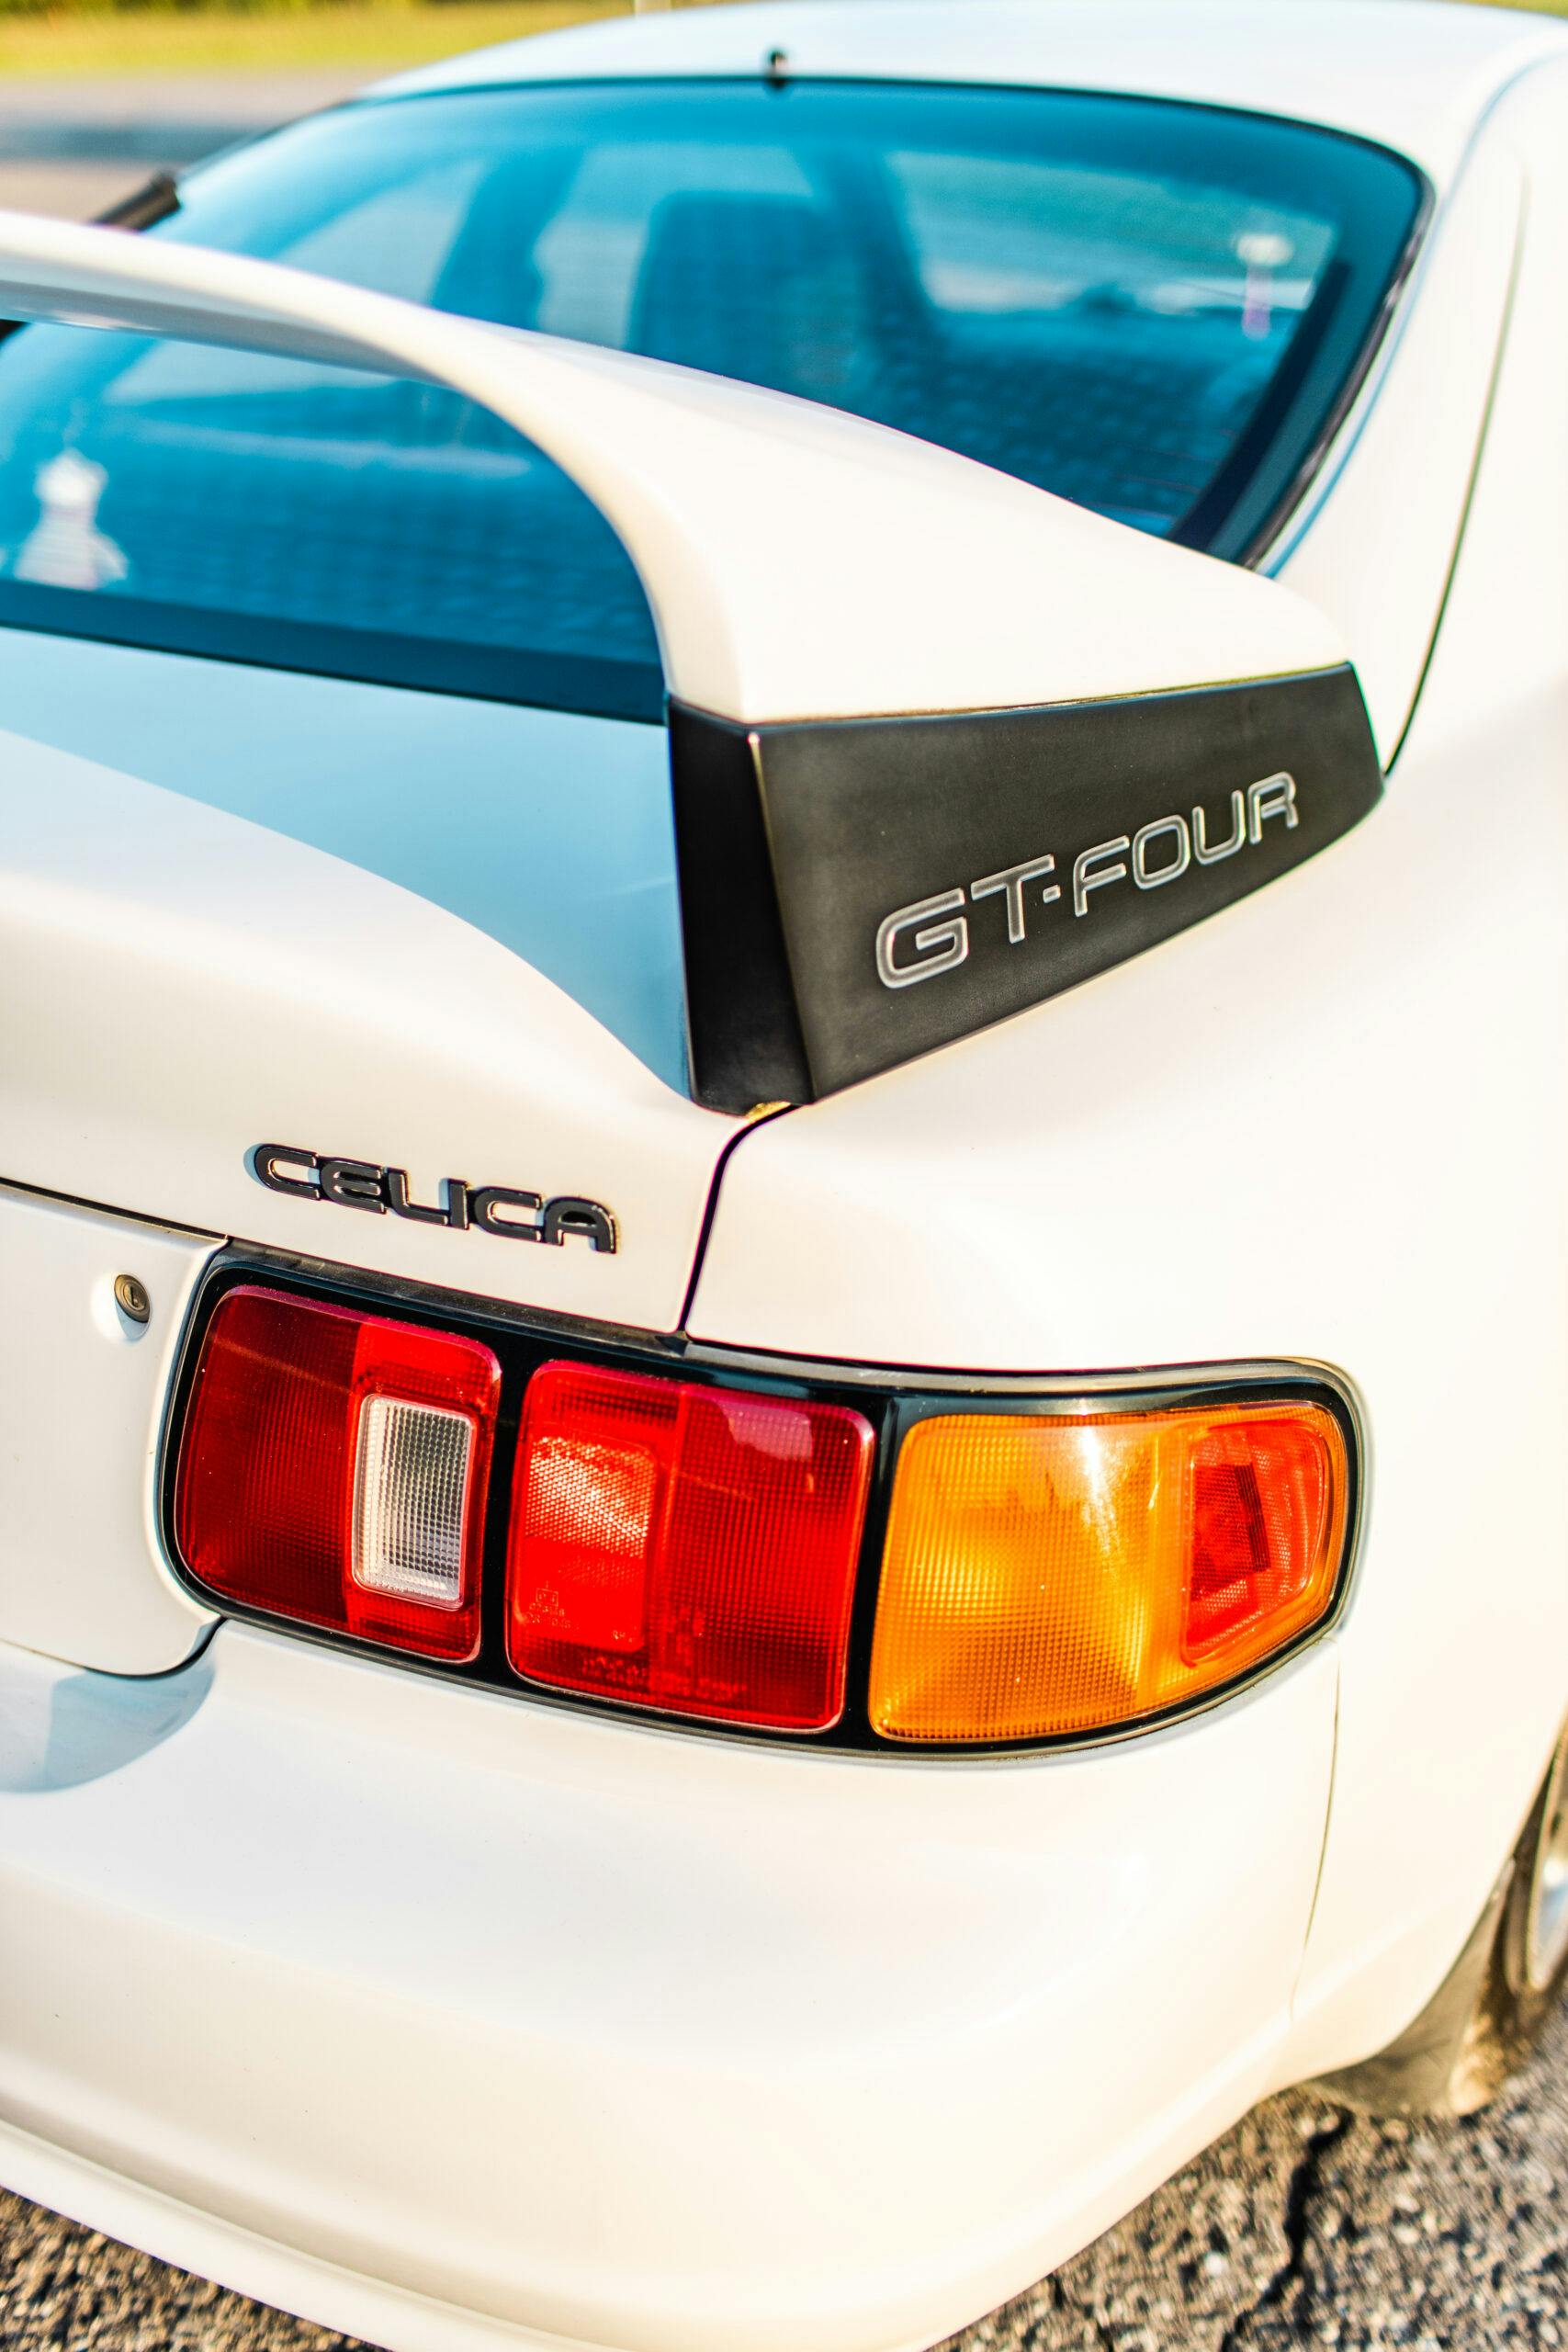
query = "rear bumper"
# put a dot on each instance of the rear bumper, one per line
(457, 2021)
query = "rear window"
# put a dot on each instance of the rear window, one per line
(1155, 309)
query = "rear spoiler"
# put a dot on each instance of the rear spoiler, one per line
(941, 745)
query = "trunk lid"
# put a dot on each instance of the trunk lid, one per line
(185, 985)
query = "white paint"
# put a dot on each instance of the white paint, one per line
(1456, 1658)
(183, 985)
(1414, 74)
(482, 807)
(82, 1396)
(422, 1996)
(1382, 521)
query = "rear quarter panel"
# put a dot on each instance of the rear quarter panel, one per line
(1330, 1123)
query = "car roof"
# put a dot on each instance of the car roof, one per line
(1416, 75)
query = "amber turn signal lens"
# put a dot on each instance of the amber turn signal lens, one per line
(1050, 1574)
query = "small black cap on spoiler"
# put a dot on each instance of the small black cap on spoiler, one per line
(855, 892)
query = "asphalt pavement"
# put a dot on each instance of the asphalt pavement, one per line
(1303, 2227)
(76, 146)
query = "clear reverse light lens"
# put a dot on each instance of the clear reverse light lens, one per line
(334, 1470)
(409, 1486)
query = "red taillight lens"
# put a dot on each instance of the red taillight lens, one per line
(686, 1548)
(1263, 1505)
(334, 1470)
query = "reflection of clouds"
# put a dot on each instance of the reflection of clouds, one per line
(591, 252)
(968, 286)
(602, 1494)
(785, 1434)
(1264, 252)
(1179, 296)
(1100, 1480)
(1264, 249)
(973, 287)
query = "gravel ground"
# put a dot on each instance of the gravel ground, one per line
(1303, 2227)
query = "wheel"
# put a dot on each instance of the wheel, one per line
(1533, 1952)
(1480, 2025)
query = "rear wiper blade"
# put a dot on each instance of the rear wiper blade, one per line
(157, 200)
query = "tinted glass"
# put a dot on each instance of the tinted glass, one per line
(1151, 308)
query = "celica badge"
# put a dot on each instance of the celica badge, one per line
(505, 1210)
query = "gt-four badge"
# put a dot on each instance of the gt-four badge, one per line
(937, 930)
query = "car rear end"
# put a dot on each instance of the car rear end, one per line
(536, 1807)
(451, 1999)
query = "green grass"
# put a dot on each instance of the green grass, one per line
(279, 38)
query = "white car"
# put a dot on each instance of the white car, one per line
(784, 1251)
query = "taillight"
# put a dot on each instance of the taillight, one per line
(1052, 1574)
(688, 1549)
(335, 1469)
(1031, 1570)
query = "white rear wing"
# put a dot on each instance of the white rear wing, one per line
(1068, 741)
(799, 563)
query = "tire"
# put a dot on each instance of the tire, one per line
(1481, 2025)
